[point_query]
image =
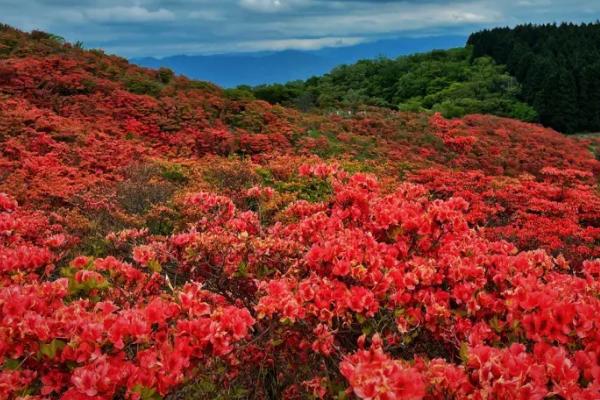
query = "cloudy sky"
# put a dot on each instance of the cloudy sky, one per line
(134, 28)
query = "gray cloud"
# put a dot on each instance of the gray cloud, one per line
(165, 27)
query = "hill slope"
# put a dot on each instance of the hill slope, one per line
(160, 239)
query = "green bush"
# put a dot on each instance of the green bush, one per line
(174, 173)
(165, 75)
(140, 84)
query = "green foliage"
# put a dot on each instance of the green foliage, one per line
(202, 85)
(140, 84)
(312, 190)
(160, 226)
(15, 43)
(558, 66)
(207, 387)
(265, 174)
(331, 148)
(11, 364)
(94, 246)
(241, 93)
(85, 288)
(162, 220)
(165, 75)
(450, 81)
(174, 173)
(404, 168)
(146, 393)
(50, 349)
(309, 189)
(58, 39)
(285, 94)
(365, 147)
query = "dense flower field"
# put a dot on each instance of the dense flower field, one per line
(160, 240)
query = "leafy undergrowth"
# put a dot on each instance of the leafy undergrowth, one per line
(179, 244)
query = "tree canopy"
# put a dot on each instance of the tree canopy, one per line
(558, 67)
(452, 82)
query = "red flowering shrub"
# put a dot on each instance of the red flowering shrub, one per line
(187, 245)
(373, 375)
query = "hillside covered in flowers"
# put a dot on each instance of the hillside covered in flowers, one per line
(159, 239)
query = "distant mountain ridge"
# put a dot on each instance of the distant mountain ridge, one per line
(254, 68)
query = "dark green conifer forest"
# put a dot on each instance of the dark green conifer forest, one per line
(558, 67)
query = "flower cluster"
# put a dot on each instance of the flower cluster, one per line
(161, 239)
(105, 327)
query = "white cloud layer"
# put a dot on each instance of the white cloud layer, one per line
(128, 14)
(165, 27)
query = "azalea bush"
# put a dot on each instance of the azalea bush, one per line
(393, 292)
(193, 245)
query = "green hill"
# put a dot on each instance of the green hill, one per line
(452, 82)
